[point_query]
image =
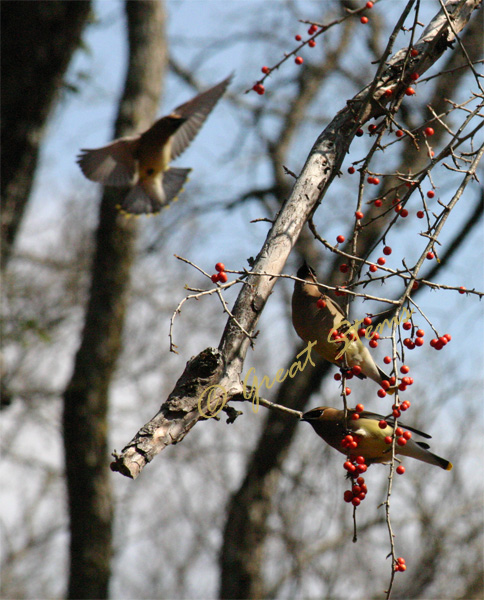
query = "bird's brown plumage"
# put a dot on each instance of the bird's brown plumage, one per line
(314, 323)
(329, 424)
(141, 161)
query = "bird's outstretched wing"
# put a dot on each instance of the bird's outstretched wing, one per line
(113, 164)
(195, 112)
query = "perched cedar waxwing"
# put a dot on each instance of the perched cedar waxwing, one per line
(329, 424)
(141, 161)
(315, 323)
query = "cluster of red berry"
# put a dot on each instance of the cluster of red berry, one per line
(364, 19)
(221, 276)
(358, 491)
(400, 564)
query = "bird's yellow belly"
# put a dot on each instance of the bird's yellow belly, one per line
(155, 161)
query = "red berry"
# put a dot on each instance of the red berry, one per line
(430, 255)
(321, 303)
(420, 214)
(361, 332)
(400, 469)
(407, 325)
(370, 179)
(361, 468)
(373, 268)
(312, 43)
(381, 393)
(401, 441)
(372, 128)
(351, 170)
(420, 333)
(399, 133)
(387, 250)
(265, 70)
(429, 131)
(378, 203)
(214, 277)
(392, 380)
(359, 215)
(387, 360)
(381, 261)
(356, 371)
(344, 268)
(340, 239)
(299, 60)
(462, 290)
(222, 277)
(389, 92)
(364, 20)
(409, 91)
(396, 413)
(430, 194)
(385, 385)
(404, 213)
(369, 5)
(419, 341)
(259, 88)
(388, 439)
(402, 387)
(404, 369)
(382, 424)
(359, 132)
(220, 267)
(399, 430)
(414, 76)
(298, 38)
(348, 496)
(359, 408)
(367, 321)
(376, 181)
(447, 336)
(347, 391)
(356, 501)
(312, 29)
(407, 435)
(373, 344)
(414, 52)
(360, 460)
(398, 208)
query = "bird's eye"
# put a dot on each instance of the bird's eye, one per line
(150, 171)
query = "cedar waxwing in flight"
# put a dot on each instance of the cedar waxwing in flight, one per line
(315, 323)
(329, 424)
(141, 161)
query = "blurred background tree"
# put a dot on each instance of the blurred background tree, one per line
(254, 509)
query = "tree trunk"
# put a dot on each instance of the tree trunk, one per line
(38, 41)
(86, 396)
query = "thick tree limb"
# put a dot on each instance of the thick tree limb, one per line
(322, 165)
